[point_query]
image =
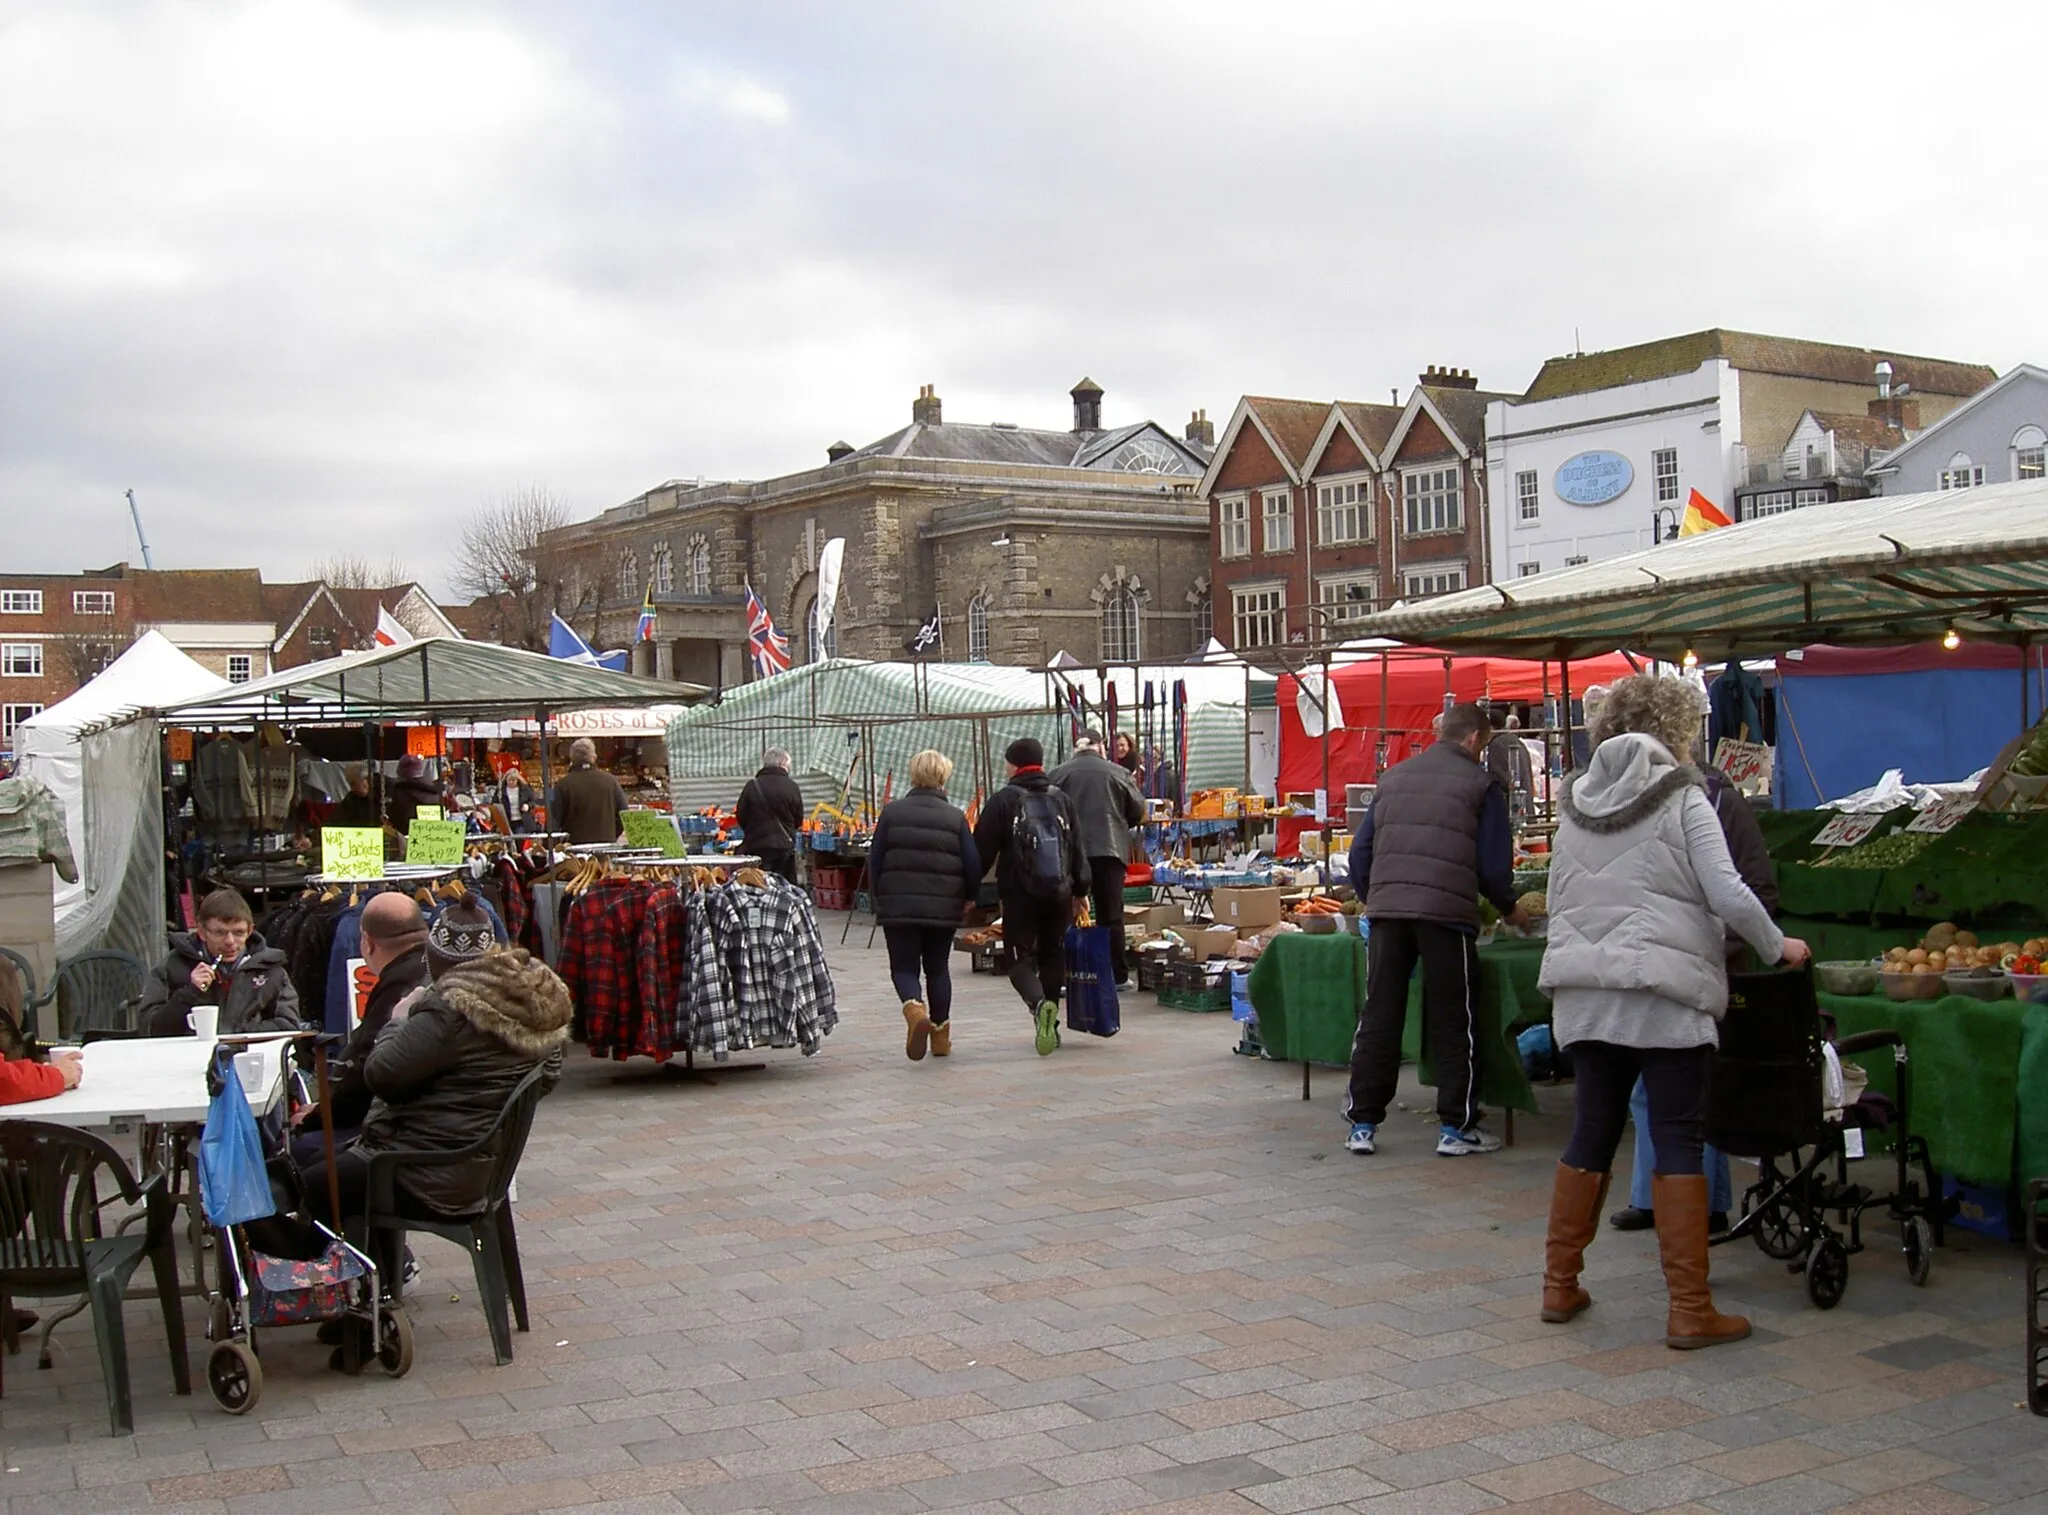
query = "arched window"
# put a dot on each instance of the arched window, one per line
(662, 563)
(629, 576)
(1120, 625)
(812, 648)
(1205, 619)
(1961, 473)
(977, 629)
(2030, 453)
(700, 567)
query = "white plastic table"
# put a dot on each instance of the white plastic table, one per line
(157, 1081)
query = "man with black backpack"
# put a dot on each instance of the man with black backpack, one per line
(1027, 831)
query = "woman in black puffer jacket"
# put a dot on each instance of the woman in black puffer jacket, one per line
(442, 1075)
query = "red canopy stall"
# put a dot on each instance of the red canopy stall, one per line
(1392, 696)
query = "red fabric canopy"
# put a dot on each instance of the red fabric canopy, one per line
(1411, 682)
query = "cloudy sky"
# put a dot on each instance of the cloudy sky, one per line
(323, 277)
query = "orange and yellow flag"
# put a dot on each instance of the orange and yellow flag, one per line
(1701, 514)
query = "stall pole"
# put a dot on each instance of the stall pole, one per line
(1549, 748)
(1323, 820)
(1379, 756)
(1564, 684)
(263, 804)
(2026, 694)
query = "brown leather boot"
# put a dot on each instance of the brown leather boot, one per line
(942, 1038)
(1576, 1198)
(1681, 1207)
(920, 1029)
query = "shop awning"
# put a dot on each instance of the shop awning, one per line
(435, 679)
(1869, 572)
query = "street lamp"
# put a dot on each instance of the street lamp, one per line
(1659, 531)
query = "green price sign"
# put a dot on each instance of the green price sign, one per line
(352, 852)
(650, 828)
(438, 844)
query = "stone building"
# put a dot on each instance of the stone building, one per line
(1027, 543)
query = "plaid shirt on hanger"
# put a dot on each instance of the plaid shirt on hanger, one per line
(775, 961)
(663, 962)
(599, 939)
(710, 1010)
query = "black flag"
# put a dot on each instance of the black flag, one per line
(925, 640)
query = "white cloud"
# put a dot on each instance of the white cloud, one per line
(731, 94)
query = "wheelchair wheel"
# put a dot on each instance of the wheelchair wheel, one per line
(1827, 1273)
(1780, 1230)
(234, 1376)
(394, 1337)
(1919, 1248)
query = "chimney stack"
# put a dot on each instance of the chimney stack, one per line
(1087, 405)
(1201, 430)
(837, 451)
(1448, 378)
(924, 410)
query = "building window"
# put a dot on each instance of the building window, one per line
(1664, 469)
(1436, 580)
(240, 667)
(1120, 625)
(1576, 559)
(1528, 496)
(814, 648)
(92, 602)
(629, 576)
(661, 563)
(21, 601)
(1531, 568)
(1344, 598)
(1234, 526)
(21, 660)
(321, 641)
(700, 568)
(11, 717)
(2030, 453)
(1276, 511)
(1772, 503)
(1205, 620)
(1432, 500)
(1801, 498)
(1344, 512)
(1961, 473)
(1261, 616)
(977, 629)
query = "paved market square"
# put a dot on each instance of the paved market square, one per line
(1138, 1275)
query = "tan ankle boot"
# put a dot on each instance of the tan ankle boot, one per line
(1681, 1208)
(1576, 1198)
(942, 1038)
(920, 1029)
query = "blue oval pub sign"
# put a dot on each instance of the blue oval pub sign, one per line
(1593, 478)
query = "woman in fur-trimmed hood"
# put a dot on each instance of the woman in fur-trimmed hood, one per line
(443, 1074)
(1640, 883)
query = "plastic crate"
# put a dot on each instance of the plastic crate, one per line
(1152, 971)
(1137, 894)
(828, 897)
(1203, 1001)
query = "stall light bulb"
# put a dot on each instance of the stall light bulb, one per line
(1951, 639)
(1691, 659)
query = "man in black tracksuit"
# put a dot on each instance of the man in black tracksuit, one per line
(1035, 914)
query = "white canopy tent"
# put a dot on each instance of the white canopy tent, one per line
(111, 788)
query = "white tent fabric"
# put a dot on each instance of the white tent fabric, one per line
(112, 794)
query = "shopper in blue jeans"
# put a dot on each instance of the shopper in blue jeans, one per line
(1753, 861)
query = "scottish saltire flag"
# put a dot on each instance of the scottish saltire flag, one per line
(563, 643)
(769, 646)
(644, 632)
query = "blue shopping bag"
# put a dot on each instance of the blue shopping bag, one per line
(1091, 982)
(232, 1182)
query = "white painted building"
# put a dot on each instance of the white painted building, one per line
(1601, 454)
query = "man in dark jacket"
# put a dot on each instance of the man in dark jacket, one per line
(770, 813)
(395, 950)
(1106, 806)
(226, 964)
(413, 794)
(1508, 760)
(586, 802)
(1435, 840)
(1027, 832)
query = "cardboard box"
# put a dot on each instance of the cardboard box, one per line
(1205, 942)
(1141, 921)
(1247, 909)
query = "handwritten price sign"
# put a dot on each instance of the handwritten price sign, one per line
(352, 852)
(1847, 830)
(1941, 816)
(438, 844)
(1743, 762)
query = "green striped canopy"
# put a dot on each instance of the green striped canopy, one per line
(1874, 571)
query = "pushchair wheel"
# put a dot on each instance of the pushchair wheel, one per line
(1780, 1230)
(1827, 1273)
(1919, 1238)
(394, 1337)
(235, 1376)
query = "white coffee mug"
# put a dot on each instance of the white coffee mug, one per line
(205, 1022)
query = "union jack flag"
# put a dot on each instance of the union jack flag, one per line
(769, 646)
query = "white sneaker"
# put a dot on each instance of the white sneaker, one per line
(1466, 1143)
(1361, 1138)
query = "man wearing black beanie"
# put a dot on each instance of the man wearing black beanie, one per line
(1027, 833)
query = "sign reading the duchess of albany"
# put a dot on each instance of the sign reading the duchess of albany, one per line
(1593, 478)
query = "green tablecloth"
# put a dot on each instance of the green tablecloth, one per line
(1990, 870)
(1306, 991)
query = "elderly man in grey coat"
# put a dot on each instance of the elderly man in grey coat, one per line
(1106, 806)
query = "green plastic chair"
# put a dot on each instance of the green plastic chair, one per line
(97, 995)
(52, 1193)
(489, 1235)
